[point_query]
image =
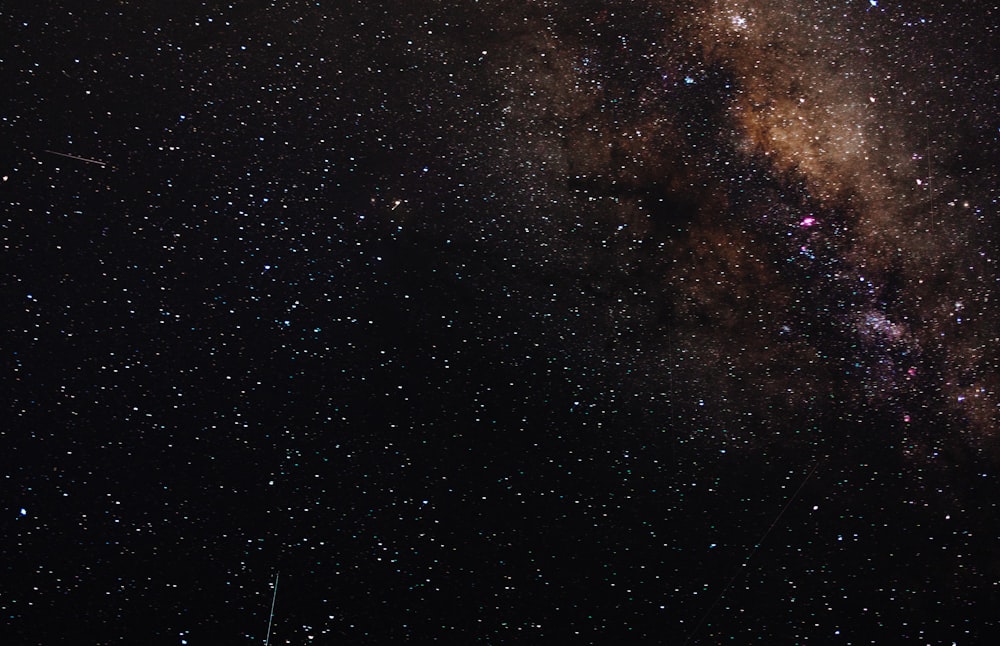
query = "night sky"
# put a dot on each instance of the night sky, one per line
(500, 321)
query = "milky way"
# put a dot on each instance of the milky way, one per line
(807, 148)
(839, 108)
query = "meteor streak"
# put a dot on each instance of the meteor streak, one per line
(83, 159)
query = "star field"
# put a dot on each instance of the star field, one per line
(503, 322)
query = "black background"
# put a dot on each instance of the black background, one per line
(378, 297)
